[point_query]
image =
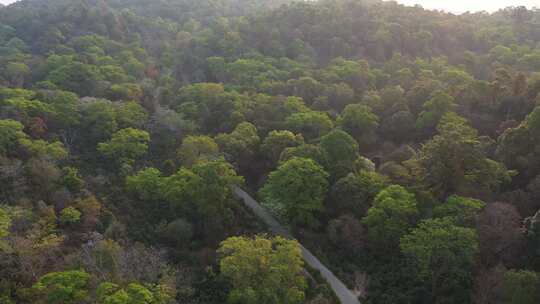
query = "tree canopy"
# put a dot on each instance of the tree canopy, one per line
(398, 144)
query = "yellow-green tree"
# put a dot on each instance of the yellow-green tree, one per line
(263, 270)
(11, 132)
(134, 293)
(68, 287)
(277, 141)
(126, 145)
(197, 148)
(5, 222)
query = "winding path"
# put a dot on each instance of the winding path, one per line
(343, 293)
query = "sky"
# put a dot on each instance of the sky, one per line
(455, 6)
(460, 6)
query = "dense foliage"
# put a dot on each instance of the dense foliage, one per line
(398, 144)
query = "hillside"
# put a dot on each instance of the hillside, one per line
(399, 145)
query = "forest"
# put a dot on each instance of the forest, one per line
(400, 145)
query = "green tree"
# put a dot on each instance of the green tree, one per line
(134, 293)
(521, 286)
(209, 105)
(341, 150)
(462, 209)
(41, 148)
(339, 95)
(391, 99)
(263, 270)
(299, 185)
(125, 91)
(454, 161)
(204, 193)
(518, 147)
(422, 91)
(76, 77)
(399, 127)
(131, 115)
(65, 108)
(533, 122)
(306, 87)
(154, 189)
(98, 121)
(359, 121)
(393, 213)
(241, 145)
(71, 179)
(211, 190)
(311, 125)
(5, 223)
(197, 148)
(313, 152)
(269, 113)
(443, 255)
(148, 184)
(532, 224)
(434, 110)
(177, 233)
(70, 215)
(126, 145)
(17, 72)
(11, 132)
(355, 192)
(277, 141)
(68, 287)
(27, 108)
(109, 293)
(113, 73)
(455, 78)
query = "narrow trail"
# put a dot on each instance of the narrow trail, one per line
(343, 293)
